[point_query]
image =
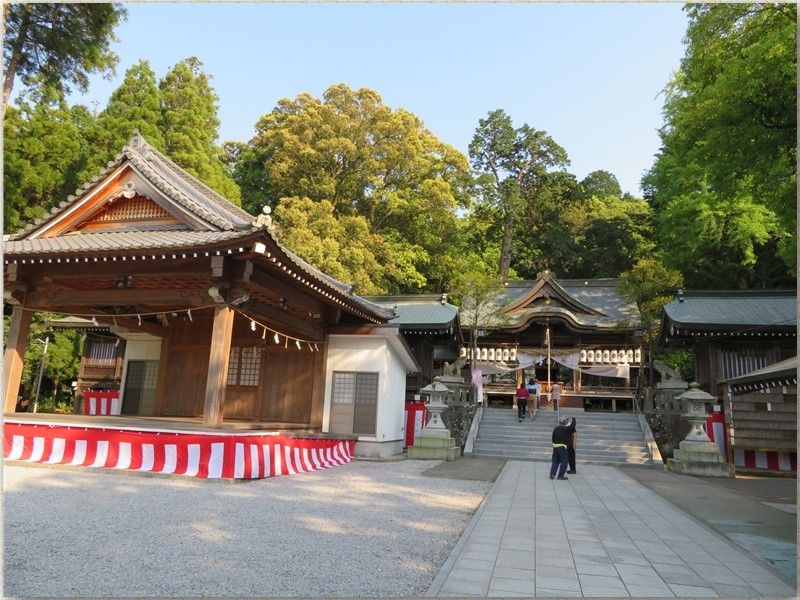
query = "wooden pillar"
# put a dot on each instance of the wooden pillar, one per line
(16, 344)
(219, 355)
(163, 373)
(318, 391)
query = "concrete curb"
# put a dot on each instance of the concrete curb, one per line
(444, 571)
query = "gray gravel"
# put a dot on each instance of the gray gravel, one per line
(365, 529)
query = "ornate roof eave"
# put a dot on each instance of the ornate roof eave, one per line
(314, 278)
(535, 293)
(523, 320)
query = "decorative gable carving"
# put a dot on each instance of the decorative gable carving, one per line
(547, 293)
(136, 211)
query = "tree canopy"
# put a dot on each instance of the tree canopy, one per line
(513, 163)
(58, 44)
(367, 160)
(724, 181)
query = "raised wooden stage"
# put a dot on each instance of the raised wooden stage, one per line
(177, 446)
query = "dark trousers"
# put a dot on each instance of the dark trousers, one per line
(522, 405)
(559, 462)
(571, 457)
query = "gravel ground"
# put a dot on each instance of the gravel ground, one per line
(365, 529)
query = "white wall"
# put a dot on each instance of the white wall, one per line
(371, 353)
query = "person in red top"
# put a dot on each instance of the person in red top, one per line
(522, 396)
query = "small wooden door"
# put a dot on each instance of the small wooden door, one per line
(354, 405)
(134, 386)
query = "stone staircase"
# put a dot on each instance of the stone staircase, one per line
(603, 438)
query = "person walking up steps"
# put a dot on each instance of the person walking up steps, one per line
(522, 396)
(571, 445)
(561, 436)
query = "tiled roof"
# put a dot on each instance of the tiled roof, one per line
(784, 368)
(600, 294)
(737, 309)
(170, 179)
(422, 312)
(118, 240)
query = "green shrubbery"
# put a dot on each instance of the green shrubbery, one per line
(669, 430)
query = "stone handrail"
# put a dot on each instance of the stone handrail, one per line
(473, 430)
(650, 441)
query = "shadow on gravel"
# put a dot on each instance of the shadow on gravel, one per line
(467, 469)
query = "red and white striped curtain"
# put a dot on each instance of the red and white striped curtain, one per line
(210, 456)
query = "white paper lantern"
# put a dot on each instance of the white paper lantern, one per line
(512, 355)
(484, 353)
(614, 356)
(590, 356)
(463, 352)
(491, 354)
(583, 356)
(637, 356)
(630, 356)
(505, 354)
(606, 356)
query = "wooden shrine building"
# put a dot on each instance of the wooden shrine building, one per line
(577, 332)
(243, 328)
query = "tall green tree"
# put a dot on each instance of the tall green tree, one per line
(368, 160)
(724, 181)
(42, 145)
(135, 104)
(58, 44)
(189, 126)
(515, 160)
(649, 285)
(598, 183)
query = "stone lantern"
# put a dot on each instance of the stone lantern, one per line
(697, 454)
(434, 441)
(436, 393)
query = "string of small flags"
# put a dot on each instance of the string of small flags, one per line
(278, 336)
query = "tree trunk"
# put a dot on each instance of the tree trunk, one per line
(505, 253)
(16, 54)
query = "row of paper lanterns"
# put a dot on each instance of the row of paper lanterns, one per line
(612, 356)
(490, 354)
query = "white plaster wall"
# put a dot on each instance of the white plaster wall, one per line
(370, 353)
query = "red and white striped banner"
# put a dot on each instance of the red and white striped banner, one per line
(209, 456)
(760, 459)
(101, 403)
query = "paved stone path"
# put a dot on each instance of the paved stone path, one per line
(599, 534)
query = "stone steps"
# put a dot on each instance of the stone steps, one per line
(603, 439)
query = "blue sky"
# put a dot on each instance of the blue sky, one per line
(588, 74)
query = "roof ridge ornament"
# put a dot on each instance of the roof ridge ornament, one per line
(264, 220)
(137, 141)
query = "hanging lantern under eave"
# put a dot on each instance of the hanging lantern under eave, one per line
(590, 356)
(606, 356)
(637, 355)
(484, 353)
(623, 357)
(583, 356)
(463, 353)
(505, 354)
(512, 355)
(491, 354)
(630, 356)
(614, 356)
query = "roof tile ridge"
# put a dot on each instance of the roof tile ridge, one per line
(216, 196)
(327, 280)
(71, 199)
(140, 162)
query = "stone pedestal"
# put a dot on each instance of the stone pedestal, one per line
(700, 458)
(434, 447)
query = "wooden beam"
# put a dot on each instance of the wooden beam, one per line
(108, 268)
(222, 329)
(300, 297)
(285, 321)
(14, 355)
(53, 298)
(351, 329)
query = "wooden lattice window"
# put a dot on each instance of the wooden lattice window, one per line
(244, 366)
(138, 208)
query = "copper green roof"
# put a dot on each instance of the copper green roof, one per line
(734, 309)
(419, 312)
